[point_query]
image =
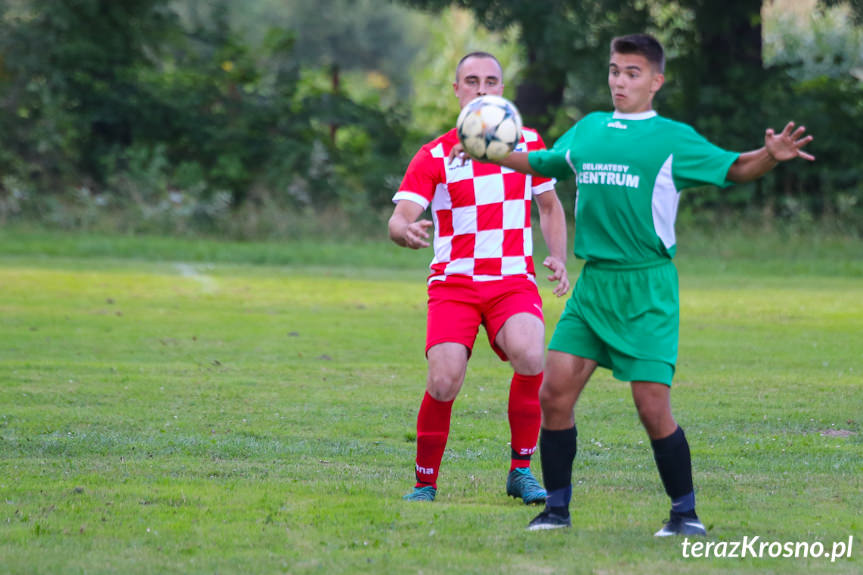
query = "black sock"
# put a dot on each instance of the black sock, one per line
(675, 468)
(557, 449)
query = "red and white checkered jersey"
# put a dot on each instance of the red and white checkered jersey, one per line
(481, 211)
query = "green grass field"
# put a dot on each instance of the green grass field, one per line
(174, 406)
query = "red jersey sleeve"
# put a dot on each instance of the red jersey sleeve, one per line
(421, 179)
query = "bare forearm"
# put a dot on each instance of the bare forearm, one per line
(751, 165)
(404, 228)
(552, 221)
(518, 161)
(398, 226)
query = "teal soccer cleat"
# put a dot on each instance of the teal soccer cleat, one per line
(426, 493)
(521, 483)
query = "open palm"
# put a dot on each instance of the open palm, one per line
(788, 144)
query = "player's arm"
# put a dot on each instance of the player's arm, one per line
(781, 147)
(518, 161)
(404, 228)
(514, 161)
(552, 221)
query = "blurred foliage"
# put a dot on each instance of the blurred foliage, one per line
(259, 118)
(455, 33)
(172, 115)
(718, 80)
(808, 71)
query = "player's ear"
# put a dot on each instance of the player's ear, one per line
(657, 82)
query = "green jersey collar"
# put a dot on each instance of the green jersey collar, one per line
(639, 116)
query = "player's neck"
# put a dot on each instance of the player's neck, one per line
(647, 114)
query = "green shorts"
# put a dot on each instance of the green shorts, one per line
(626, 318)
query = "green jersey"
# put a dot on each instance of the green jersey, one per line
(630, 169)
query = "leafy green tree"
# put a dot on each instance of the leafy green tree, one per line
(69, 75)
(146, 98)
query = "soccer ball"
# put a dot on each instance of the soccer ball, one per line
(489, 128)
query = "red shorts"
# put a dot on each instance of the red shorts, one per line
(457, 307)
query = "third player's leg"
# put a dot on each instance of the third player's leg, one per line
(565, 377)
(672, 455)
(653, 402)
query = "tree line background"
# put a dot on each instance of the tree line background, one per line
(288, 118)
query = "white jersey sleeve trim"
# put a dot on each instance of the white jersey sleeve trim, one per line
(411, 196)
(543, 187)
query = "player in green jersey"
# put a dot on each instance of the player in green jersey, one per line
(630, 166)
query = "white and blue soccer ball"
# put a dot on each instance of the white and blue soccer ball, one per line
(489, 128)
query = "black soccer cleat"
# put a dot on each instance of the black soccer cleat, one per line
(548, 519)
(680, 524)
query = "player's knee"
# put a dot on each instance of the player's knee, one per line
(443, 386)
(527, 361)
(557, 411)
(550, 398)
(655, 419)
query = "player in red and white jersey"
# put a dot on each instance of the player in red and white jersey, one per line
(480, 211)
(482, 274)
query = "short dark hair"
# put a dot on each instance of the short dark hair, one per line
(477, 54)
(643, 44)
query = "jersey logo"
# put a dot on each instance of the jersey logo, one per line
(617, 124)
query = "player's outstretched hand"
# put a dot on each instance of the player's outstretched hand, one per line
(416, 234)
(558, 274)
(788, 144)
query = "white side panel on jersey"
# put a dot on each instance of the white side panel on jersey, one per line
(665, 200)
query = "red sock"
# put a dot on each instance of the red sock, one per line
(432, 432)
(525, 417)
